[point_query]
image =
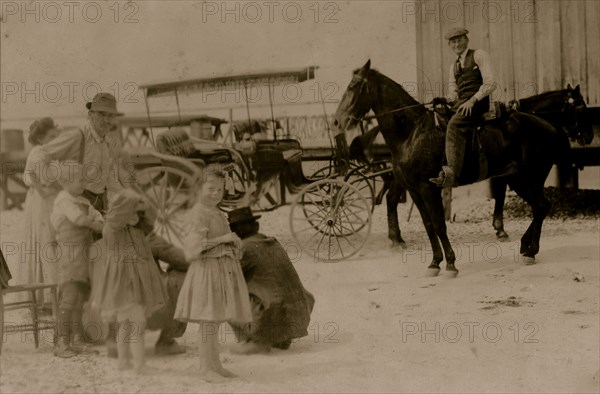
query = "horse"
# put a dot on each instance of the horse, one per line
(417, 150)
(565, 109)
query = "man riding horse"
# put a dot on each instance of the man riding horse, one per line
(470, 84)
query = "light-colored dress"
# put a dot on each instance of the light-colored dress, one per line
(214, 288)
(129, 275)
(40, 264)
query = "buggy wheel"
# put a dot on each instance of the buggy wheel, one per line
(330, 171)
(323, 173)
(168, 191)
(330, 219)
(365, 185)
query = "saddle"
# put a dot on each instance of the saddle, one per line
(476, 165)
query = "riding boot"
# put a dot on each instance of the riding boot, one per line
(455, 153)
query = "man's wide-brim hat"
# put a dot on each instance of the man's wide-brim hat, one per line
(104, 102)
(241, 215)
(456, 32)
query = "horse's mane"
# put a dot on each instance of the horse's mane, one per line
(412, 115)
(546, 95)
(387, 81)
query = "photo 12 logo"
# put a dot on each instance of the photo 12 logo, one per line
(469, 11)
(69, 11)
(270, 11)
(65, 91)
(454, 332)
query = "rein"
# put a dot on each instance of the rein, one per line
(369, 117)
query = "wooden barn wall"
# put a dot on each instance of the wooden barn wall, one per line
(535, 45)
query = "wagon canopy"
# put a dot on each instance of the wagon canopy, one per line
(230, 81)
(167, 121)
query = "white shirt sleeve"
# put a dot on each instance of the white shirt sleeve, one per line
(484, 62)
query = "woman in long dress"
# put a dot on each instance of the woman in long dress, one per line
(39, 262)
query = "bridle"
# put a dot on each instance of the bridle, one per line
(569, 108)
(364, 85)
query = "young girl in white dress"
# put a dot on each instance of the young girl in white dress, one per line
(214, 290)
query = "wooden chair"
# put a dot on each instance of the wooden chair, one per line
(37, 323)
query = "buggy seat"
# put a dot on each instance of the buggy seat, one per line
(177, 142)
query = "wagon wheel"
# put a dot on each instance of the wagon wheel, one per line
(329, 171)
(330, 219)
(168, 191)
(365, 184)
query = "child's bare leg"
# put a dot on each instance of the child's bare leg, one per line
(207, 336)
(137, 344)
(123, 338)
(217, 361)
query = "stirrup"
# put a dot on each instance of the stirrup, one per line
(446, 178)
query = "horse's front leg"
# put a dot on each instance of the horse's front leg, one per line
(498, 189)
(392, 200)
(428, 222)
(432, 198)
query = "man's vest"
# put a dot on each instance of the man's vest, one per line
(468, 81)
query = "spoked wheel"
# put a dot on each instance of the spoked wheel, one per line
(330, 219)
(365, 185)
(330, 171)
(168, 191)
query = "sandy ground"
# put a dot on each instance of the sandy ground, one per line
(381, 325)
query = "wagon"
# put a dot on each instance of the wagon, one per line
(330, 217)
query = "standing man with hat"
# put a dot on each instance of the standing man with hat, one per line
(471, 82)
(94, 149)
(281, 306)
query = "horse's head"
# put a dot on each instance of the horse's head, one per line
(356, 101)
(576, 118)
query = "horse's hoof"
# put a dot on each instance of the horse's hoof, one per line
(527, 260)
(451, 270)
(432, 271)
(502, 235)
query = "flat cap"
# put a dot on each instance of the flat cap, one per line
(455, 32)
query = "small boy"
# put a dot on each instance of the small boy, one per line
(74, 219)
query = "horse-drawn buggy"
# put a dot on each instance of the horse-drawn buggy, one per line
(330, 217)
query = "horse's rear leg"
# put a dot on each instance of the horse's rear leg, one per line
(498, 189)
(533, 194)
(392, 200)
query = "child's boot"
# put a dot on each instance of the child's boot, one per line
(62, 341)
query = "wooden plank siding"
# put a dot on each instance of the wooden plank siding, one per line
(592, 40)
(535, 45)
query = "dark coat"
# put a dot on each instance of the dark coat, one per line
(281, 305)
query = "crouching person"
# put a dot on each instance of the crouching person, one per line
(281, 306)
(173, 279)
